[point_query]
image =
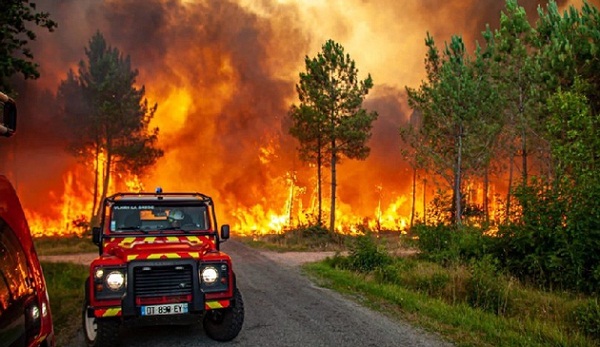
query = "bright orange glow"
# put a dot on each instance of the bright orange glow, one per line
(223, 74)
(62, 217)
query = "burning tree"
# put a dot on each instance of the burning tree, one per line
(330, 121)
(108, 117)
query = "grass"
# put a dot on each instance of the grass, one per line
(56, 245)
(65, 288)
(536, 318)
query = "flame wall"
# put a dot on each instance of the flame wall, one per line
(223, 73)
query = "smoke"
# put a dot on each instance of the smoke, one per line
(223, 73)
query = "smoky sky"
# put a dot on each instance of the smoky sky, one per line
(236, 64)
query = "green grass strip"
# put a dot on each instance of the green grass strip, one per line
(60, 245)
(460, 324)
(65, 288)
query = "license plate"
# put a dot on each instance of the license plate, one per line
(160, 310)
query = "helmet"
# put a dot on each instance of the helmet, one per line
(176, 215)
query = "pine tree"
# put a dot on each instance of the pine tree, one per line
(108, 116)
(330, 122)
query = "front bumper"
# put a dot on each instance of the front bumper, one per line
(152, 282)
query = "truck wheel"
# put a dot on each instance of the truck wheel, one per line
(99, 332)
(225, 324)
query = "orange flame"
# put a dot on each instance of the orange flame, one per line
(223, 75)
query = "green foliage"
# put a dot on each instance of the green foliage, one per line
(366, 255)
(15, 56)
(429, 279)
(486, 288)
(108, 117)
(543, 81)
(450, 244)
(570, 48)
(587, 318)
(330, 122)
(531, 318)
(65, 289)
(459, 123)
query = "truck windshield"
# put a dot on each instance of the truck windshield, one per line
(146, 218)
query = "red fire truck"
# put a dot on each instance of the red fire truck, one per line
(160, 263)
(25, 318)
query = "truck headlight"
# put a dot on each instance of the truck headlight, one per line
(209, 274)
(115, 280)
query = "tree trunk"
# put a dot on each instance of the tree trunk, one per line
(95, 215)
(486, 203)
(319, 190)
(424, 201)
(414, 197)
(333, 188)
(523, 135)
(105, 180)
(457, 183)
(509, 192)
(291, 200)
(524, 156)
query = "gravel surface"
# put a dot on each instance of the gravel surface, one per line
(283, 308)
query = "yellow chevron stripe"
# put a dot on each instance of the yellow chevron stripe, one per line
(194, 239)
(213, 304)
(127, 240)
(111, 312)
(165, 255)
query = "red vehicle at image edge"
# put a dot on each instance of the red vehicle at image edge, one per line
(160, 263)
(25, 318)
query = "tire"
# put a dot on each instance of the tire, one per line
(99, 332)
(225, 324)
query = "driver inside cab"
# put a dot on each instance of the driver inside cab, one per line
(175, 218)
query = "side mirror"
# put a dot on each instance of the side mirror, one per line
(8, 118)
(225, 231)
(97, 235)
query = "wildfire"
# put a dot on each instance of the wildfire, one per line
(223, 76)
(70, 213)
(67, 214)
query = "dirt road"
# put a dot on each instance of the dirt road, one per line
(283, 308)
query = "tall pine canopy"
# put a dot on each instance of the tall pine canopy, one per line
(108, 116)
(330, 122)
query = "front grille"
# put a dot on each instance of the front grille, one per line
(150, 281)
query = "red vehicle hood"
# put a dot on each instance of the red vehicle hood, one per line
(158, 247)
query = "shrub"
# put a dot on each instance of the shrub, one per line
(398, 272)
(487, 289)
(450, 244)
(587, 318)
(365, 255)
(433, 284)
(338, 261)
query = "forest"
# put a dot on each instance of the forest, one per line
(521, 109)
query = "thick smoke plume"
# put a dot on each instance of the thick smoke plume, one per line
(223, 74)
